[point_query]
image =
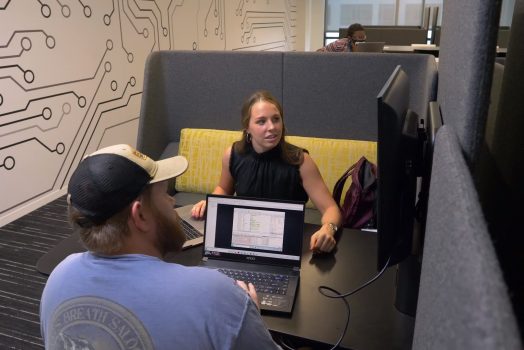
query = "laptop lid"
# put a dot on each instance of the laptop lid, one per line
(193, 229)
(370, 46)
(253, 230)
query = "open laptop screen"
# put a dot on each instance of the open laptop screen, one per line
(254, 230)
(370, 46)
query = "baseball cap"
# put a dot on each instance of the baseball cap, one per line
(107, 180)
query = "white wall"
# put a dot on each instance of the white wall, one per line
(71, 74)
(314, 26)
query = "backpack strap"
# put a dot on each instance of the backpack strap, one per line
(337, 189)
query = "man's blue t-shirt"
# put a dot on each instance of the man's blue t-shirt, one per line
(141, 302)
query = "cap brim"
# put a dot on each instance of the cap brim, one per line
(170, 168)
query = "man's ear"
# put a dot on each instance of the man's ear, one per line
(140, 216)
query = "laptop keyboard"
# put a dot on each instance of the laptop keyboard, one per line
(269, 283)
(189, 230)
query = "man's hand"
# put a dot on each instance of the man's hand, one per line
(250, 289)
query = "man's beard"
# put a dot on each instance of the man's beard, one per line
(170, 234)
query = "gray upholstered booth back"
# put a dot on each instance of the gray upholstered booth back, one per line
(200, 90)
(323, 94)
(500, 170)
(337, 97)
(463, 302)
(467, 53)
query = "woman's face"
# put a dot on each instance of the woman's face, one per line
(265, 126)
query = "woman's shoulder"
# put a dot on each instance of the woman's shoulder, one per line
(228, 152)
(237, 147)
(293, 154)
(307, 158)
(308, 164)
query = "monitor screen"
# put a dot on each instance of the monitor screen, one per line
(399, 153)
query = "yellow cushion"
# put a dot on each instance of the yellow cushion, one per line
(334, 156)
(204, 149)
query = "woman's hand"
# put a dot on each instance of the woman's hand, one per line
(323, 240)
(199, 210)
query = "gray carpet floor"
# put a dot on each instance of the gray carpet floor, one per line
(22, 243)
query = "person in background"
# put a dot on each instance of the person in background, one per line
(262, 164)
(120, 294)
(356, 33)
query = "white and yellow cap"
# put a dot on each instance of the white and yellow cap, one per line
(107, 180)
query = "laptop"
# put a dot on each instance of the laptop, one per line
(370, 46)
(193, 229)
(260, 239)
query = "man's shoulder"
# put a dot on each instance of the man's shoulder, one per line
(70, 261)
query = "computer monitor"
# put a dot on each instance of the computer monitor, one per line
(432, 123)
(399, 159)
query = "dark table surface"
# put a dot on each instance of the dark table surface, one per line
(374, 321)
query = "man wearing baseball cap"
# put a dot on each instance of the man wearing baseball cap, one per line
(120, 294)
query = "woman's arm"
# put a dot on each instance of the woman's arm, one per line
(225, 186)
(324, 238)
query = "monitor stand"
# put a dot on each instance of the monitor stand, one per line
(408, 280)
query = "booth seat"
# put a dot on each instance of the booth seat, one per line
(205, 147)
(330, 99)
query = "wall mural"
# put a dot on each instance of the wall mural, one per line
(71, 75)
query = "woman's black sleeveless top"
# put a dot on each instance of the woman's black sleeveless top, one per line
(266, 175)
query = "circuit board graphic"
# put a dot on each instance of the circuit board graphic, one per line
(71, 74)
